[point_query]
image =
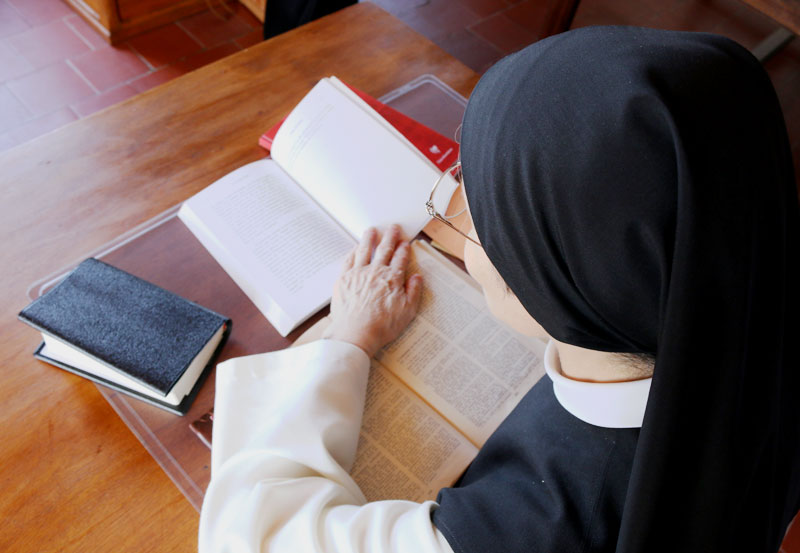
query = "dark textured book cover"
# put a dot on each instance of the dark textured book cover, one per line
(129, 324)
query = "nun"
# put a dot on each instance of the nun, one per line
(632, 200)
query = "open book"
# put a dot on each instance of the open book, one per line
(281, 227)
(438, 392)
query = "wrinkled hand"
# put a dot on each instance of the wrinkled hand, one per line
(373, 301)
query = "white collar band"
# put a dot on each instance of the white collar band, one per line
(610, 404)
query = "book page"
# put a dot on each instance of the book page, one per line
(276, 243)
(357, 168)
(405, 449)
(467, 365)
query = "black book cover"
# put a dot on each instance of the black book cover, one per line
(131, 325)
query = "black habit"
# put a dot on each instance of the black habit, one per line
(634, 188)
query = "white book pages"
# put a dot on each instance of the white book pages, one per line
(359, 170)
(279, 247)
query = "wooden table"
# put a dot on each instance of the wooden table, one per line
(73, 477)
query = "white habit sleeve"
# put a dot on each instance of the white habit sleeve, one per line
(286, 427)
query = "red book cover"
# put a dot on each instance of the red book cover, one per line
(442, 151)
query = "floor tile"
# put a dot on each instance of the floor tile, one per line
(91, 37)
(181, 67)
(253, 37)
(247, 15)
(470, 49)
(12, 112)
(397, 7)
(164, 45)
(110, 66)
(190, 63)
(534, 15)
(157, 77)
(647, 13)
(12, 65)
(485, 7)
(102, 101)
(439, 17)
(48, 43)
(50, 88)
(212, 31)
(11, 22)
(529, 14)
(689, 15)
(36, 12)
(41, 125)
(503, 33)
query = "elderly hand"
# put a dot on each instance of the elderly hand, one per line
(373, 301)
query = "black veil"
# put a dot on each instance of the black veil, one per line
(634, 188)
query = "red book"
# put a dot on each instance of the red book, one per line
(442, 151)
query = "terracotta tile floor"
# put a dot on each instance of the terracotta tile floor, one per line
(54, 69)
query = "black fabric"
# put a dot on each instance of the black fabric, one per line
(543, 468)
(283, 15)
(635, 189)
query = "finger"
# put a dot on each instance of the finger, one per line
(349, 260)
(414, 291)
(385, 250)
(363, 251)
(400, 260)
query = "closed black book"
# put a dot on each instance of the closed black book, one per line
(126, 333)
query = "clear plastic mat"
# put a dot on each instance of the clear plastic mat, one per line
(164, 252)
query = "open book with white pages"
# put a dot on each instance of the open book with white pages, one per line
(438, 392)
(281, 227)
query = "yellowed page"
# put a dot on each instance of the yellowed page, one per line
(405, 450)
(439, 391)
(463, 362)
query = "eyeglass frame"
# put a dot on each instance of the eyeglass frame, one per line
(443, 218)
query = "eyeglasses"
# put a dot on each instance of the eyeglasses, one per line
(455, 172)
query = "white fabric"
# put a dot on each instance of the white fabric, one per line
(286, 426)
(607, 404)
